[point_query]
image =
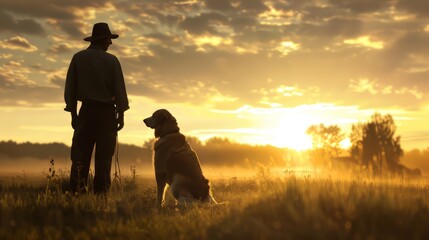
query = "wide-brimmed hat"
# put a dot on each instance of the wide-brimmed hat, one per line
(99, 31)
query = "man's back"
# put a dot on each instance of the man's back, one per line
(96, 75)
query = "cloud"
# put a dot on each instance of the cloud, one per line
(287, 46)
(18, 43)
(63, 15)
(5, 56)
(214, 41)
(365, 41)
(254, 6)
(17, 90)
(39, 9)
(226, 54)
(362, 6)
(266, 35)
(221, 5)
(417, 7)
(29, 26)
(342, 27)
(29, 96)
(61, 48)
(197, 51)
(203, 23)
(365, 85)
(240, 23)
(49, 8)
(410, 43)
(73, 29)
(58, 80)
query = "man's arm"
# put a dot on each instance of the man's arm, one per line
(74, 118)
(70, 90)
(121, 98)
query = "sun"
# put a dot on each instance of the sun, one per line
(295, 138)
(289, 132)
(291, 136)
(278, 126)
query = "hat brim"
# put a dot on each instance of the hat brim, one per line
(92, 38)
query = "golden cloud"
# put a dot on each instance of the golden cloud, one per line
(18, 43)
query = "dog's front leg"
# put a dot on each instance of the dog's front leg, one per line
(161, 181)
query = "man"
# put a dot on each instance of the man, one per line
(95, 78)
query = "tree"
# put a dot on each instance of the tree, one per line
(326, 142)
(375, 143)
(356, 140)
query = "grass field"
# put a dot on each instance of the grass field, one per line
(265, 206)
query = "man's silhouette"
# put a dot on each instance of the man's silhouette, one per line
(95, 78)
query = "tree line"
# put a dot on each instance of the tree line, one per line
(375, 147)
(215, 151)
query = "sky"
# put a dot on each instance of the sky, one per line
(255, 71)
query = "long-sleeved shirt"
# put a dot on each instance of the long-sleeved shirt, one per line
(95, 75)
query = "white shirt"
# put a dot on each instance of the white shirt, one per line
(95, 75)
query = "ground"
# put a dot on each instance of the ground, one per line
(262, 206)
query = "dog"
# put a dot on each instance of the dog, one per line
(176, 163)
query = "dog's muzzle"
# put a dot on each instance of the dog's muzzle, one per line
(150, 122)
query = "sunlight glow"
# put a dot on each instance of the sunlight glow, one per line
(212, 40)
(291, 134)
(219, 97)
(287, 46)
(288, 91)
(363, 85)
(275, 17)
(250, 50)
(372, 87)
(366, 42)
(286, 127)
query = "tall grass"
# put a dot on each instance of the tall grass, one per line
(265, 206)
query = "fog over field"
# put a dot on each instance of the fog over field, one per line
(219, 158)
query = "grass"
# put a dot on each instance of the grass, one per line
(260, 207)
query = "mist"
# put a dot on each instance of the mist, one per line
(220, 158)
(417, 159)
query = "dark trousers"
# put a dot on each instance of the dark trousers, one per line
(96, 126)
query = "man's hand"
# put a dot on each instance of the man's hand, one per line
(74, 120)
(119, 121)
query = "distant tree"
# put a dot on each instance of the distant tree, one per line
(194, 142)
(356, 140)
(326, 142)
(13, 149)
(417, 158)
(375, 143)
(218, 141)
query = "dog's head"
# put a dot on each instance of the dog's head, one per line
(163, 122)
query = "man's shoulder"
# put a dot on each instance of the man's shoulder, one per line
(80, 54)
(93, 52)
(110, 55)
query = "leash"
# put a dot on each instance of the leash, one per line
(117, 167)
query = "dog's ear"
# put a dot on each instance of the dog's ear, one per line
(166, 123)
(170, 118)
(164, 115)
(159, 116)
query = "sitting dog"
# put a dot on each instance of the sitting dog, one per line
(175, 163)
